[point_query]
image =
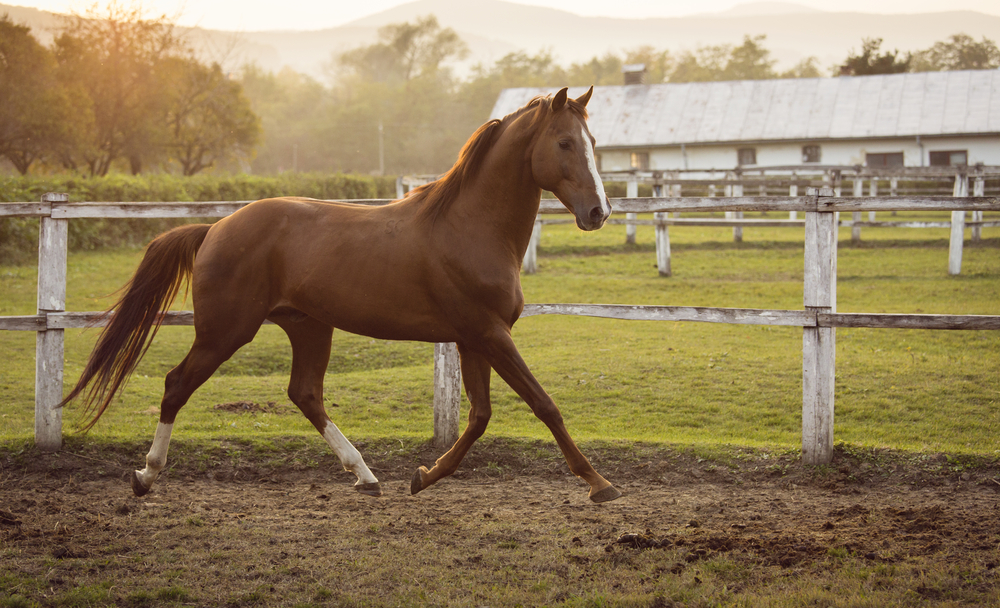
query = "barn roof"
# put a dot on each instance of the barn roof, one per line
(848, 107)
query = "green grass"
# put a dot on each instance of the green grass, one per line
(677, 383)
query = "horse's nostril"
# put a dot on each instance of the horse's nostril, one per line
(597, 214)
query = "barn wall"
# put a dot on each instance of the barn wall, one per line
(983, 149)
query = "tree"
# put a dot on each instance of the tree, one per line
(959, 52)
(115, 59)
(870, 61)
(208, 118)
(749, 61)
(291, 106)
(405, 51)
(35, 112)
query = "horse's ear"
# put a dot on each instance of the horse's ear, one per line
(559, 100)
(583, 99)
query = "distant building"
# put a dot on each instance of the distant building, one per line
(912, 120)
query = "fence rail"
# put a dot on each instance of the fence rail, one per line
(818, 318)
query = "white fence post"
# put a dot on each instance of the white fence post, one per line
(530, 262)
(978, 189)
(872, 192)
(447, 393)
(957, 227)
(793, 190)
(859, 191)
(662, 244)
(819, 344)
(53, 237)
(631, 191)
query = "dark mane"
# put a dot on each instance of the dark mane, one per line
(439, 193)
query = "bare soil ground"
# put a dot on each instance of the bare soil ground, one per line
(512, 527)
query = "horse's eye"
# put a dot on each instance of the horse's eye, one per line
(564, 144)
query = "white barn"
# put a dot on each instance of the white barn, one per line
(911, 120)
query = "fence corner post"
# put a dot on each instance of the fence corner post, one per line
(447, 394)
(53, 244)
(819, 343)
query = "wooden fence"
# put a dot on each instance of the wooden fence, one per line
(818, 318)
(734, 183)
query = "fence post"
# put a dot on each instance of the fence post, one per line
(872, 192)
(530, 262)
(957, 227)
(631, 191)
(859, 191)
(819, 344)
(793, 190)
(978, 189)
(735, 190)
(447, 393)
(662, 244)
(52, 251)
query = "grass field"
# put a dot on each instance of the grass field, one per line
(698, 424)
(672, 383)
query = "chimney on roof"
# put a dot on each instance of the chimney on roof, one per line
(635, 73)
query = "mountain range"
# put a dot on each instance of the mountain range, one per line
(493, 28)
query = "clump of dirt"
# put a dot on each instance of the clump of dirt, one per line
(249, 407)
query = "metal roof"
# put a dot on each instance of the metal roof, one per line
(847, 107)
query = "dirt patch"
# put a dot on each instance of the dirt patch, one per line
(251, 531)
(248, 407)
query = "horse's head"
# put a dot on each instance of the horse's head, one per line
(563, 160)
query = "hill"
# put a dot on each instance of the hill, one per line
(493, 28)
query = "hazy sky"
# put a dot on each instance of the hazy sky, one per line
(252, 15)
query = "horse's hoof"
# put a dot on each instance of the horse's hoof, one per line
(137, 488)
(417, 483)
(608, 493)
(369, 489)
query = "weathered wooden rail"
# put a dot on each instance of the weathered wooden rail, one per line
(818, 318)
(733, 187)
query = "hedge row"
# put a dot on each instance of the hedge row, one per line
(19, 236)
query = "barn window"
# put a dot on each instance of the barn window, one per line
(640, 160)
(949, 158)
(746, 156)
(884, 159)
(811, 154)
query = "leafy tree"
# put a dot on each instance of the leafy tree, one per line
(605, 70)
(405, 51)
(115, 59)
(749, 61)
(959, 52)
(807, 68)
(290, 106)
(870, 61)
(35, 112)
(208, 118)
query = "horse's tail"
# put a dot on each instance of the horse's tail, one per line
(136, 317)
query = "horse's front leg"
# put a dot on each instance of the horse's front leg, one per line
(504, 358)
(476, 377)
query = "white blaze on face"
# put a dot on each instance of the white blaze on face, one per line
(592, 165)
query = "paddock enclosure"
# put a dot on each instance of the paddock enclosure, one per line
(820, 206)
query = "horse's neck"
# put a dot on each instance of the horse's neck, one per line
(503, 195)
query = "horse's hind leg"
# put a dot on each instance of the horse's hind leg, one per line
(198, 366)
(310, 355)
(476, 377)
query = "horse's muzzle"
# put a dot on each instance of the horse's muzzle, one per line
(595, 218)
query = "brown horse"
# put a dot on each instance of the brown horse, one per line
(440, 265)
